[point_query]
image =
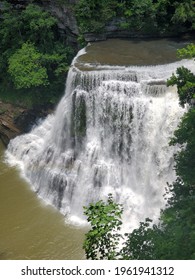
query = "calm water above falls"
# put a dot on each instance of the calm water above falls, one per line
(109, 133)
(132, 52)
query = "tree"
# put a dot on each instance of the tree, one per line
(188, 52)
(185, 137)
(139, 14)
(184, 13)
(185, 133)
(93, 15)
(185, 81)
(48, 55)
(26, 69)
(103, 238)
(39, 27)
(139, 245)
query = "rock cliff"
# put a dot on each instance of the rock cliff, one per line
(15, 120)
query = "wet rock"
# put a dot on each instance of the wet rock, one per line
(7, 131)
(93, 37)
(27, 119)
(15, 120)
(65, 16)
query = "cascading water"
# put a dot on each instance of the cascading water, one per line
(109, 134)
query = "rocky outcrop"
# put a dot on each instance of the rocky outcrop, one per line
(15, 120)
(65, 15)
(8, 129)
(28, 118)
(63, 12)
(68, 26)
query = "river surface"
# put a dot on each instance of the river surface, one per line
(30, 229)
(132, 52)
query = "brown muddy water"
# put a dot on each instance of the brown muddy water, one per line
(132, 52)
(29, 229)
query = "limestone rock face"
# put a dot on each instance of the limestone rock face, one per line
(8, 129)
(63, 12)
(15, 120)
(66, 18)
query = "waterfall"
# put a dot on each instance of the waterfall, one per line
(109, 134)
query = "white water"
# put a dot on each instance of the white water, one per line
(109, 134)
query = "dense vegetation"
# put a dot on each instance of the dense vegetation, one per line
(34, 56)
(149, 16)
(103, 239)
(174, 236)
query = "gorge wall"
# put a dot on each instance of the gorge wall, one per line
(118, 24)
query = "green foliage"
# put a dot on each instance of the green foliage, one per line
(184, 12)
(188, 52)
(38, 27)
(161, 16)
(185, 134)
(102, 240)
(179, 220)
(10, 35)
(139, 244)
(185, 137)
(33, 55)
(25, 67)
(93, 15)
(139, 13)
(185, 81)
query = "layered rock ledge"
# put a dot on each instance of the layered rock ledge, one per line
(16, 120)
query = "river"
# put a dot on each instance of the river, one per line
(30, 229)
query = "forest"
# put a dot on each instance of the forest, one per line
(34, 56)
(153, 16)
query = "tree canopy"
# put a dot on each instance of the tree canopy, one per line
(33, 53)
(25, 67)
(161, 16)
(103, 239)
